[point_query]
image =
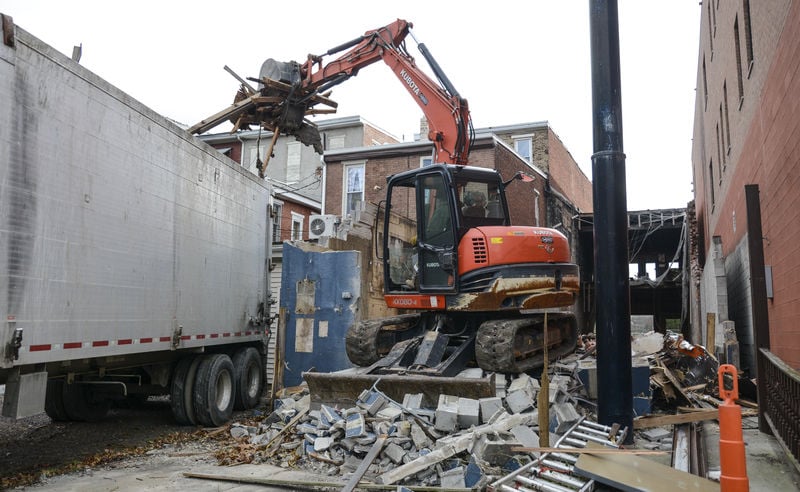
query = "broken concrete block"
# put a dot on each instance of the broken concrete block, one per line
(587, 373)
(355, 427)
(367, 439)
(322, 443)
(519, 401)
(402, 429)
(494, 449)
(489, 406)
(521, 393)
(566, 416)
(647, 344)
(468, 413)
(389, 412)
(453, 479)
(371, 401)
(394, 453)
(238, 431)
(412, 401)
(447, 413)
(329, 416)
(419, 437)
(525, 435)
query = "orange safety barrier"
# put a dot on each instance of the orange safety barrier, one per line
(733, 476)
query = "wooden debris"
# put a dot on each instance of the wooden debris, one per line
(521, 449)
(697, 415)
(362, 468)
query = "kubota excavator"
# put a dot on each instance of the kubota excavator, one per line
(478, 290)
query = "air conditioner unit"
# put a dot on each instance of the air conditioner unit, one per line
(321, 225)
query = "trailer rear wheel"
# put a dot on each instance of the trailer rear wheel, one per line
(249, 378)
(214, 390)
(54, 400)
(182, 390)
(82, 404)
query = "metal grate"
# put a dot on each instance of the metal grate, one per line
(479, 250)
(782, 408)
(554, 472)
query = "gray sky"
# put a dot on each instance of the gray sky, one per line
(514, 61)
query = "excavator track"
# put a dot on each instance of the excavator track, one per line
(367, 341)
(516, 345)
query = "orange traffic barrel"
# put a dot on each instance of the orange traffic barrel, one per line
(733, 476)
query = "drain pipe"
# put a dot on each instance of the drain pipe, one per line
(613, 325)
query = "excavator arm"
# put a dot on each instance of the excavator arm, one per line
(289, 91)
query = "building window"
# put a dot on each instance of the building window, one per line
(748, 36)
(737, 45)
(722, 137)
(705, 86)
(297, 226)
(354, 188)
(425, 161)
(711, 181)
(727, 121)
(524, 147)
(277, 217)
(336, 141)
(710, 31)
(536, 208)
(294, 152)
(719, 155)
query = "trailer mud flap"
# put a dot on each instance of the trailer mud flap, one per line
(343, 388)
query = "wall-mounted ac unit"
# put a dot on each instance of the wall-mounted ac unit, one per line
(321, 225)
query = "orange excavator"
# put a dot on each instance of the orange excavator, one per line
(475, 289)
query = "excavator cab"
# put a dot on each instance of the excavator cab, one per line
(434, 207)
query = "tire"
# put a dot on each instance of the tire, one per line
(54, 400)
(181, 394)
(82, 404)
(214, 390)
(248, 374)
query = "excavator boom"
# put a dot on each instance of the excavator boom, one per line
(291, 91)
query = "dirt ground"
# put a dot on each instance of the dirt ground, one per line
(36, 447)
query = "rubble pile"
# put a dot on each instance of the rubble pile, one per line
(461, 443)
(464, 442)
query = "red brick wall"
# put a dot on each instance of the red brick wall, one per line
(373, 135)
(286, 220)
(566, 176)
(770, 158)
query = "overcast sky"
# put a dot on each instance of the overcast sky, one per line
(515, 62)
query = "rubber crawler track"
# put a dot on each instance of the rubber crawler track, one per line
(362, 341)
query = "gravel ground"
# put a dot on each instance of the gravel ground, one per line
(37, 447)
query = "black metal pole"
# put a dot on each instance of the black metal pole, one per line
(758, 296)
(614, 398)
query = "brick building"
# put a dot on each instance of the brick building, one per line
(294, 169)
(746, 132)
(559, 192)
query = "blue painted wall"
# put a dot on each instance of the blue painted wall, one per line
(320, 294)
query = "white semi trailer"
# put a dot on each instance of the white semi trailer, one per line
(134, 258)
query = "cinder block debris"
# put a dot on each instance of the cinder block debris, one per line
(394, 453)
(371, 401)
(525, 436)
(453, 478)
(419, 437)
(447, 413)
(412, 401)
(566, 416)
(468, 413)
(355, 426)
(489, 406)
(494, 449)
